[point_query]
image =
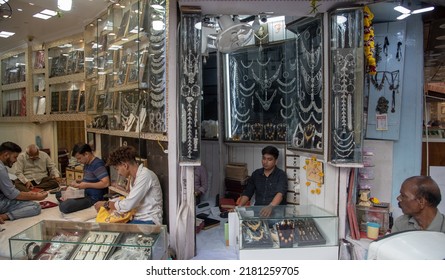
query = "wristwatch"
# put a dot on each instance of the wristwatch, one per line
(107, 205)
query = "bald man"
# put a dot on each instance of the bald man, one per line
(418, 199)
(34, 168)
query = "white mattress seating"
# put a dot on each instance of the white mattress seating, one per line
(12, 228)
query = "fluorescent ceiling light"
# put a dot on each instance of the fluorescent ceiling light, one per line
(418, 11)
(402, 10)
(42, 16)
(6, 34)
(402, 16)
(64, 5)
(3, 2)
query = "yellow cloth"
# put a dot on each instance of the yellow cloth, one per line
(105, 216)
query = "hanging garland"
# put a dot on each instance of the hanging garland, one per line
(371, 65)
(314, 173)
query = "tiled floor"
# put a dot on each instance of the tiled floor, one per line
(211, 245)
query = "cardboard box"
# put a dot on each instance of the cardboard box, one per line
(236, 171)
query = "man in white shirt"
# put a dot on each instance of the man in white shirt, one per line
(35, 168)
(145, 194)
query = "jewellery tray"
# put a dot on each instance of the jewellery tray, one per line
(301, 226)
(307, 233)
(50, 239)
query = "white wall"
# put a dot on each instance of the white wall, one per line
(24, 134)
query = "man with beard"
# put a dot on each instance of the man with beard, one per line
(15, 204)
(418, 199)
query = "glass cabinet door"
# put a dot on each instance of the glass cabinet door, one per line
(346, 86)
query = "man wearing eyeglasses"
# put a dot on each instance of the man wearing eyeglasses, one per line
(35, 168)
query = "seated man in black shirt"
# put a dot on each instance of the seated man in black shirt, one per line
(269, 184)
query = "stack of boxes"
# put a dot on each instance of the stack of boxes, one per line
(236, 179)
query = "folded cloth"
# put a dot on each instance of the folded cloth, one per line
(47, 204)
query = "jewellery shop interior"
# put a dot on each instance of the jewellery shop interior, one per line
(351, 93)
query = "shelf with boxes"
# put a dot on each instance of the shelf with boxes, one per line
(74, 174)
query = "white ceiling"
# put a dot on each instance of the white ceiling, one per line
(26, 26)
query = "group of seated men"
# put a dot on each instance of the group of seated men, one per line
(37, 175)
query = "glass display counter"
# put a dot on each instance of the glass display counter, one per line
(289, 232)
(66, 240)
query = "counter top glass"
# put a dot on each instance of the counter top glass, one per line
(87, 241)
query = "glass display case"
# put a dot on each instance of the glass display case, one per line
(306, 127)
(260, 85)
(14, 69)
(13, 85)
(289, 232)
(67, 98)
(66, 240)
(126, 69)
(66, 58)
(346, 87)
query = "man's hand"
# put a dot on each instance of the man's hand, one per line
(41, 195)
(98, 204)
(29, 185)
(266, 211)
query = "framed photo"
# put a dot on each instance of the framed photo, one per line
(132, 69)
(81, 105)
(124, 24)
(108, 104)
(55, 96)
(73, 101)
(91, 140)
(64, 101)
(91, 97)
(39, 60)
(41, 106)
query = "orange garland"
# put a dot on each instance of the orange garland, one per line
(369, 49)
